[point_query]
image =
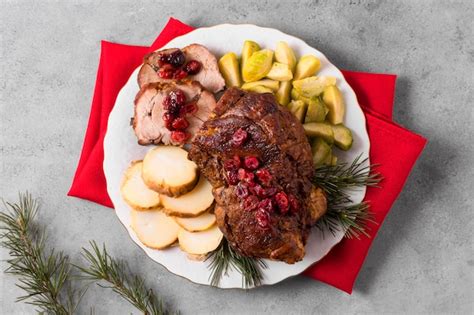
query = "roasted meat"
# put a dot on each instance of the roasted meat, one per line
(209, 75)
(149, 121)
(258, 159)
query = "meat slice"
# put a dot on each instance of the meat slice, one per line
(209, 75)
(148, 122)
(277, 139)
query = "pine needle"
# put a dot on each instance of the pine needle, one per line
(44, 276)
(103, 267)
(223, 258)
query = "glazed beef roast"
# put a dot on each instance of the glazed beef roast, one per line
(258, 159)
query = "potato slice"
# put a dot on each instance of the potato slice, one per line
(154, 228)
(307, 66)
(284, 54)
(313, 86)
(167, 170)
(257, 66)
(270, 84)
(134, 191)
(283, 93)
(199, 223)
(229, 67)
(199, 243)
(280, 72)
(191, 204)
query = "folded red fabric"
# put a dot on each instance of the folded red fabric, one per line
(394, 148)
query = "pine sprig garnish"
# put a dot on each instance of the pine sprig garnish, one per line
(337, 181)
(225, 257)
(103, 267)
(43, 275)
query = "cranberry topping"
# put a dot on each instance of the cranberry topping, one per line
(180, 123)
(264, 176)
(168, 119)
(241, 173)
(179, 136)
(232, 164)
(165, 72)
(294, 203)
(250, 203)
(178, 97)
(239, 137)
(266, 205)
(251, 163)
(282, 202)
(188, 109)
(232, 177)
(176, 58)
(263, 218)
(192, 67)
(180, 74)
(242, 190)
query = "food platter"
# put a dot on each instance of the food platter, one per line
(121, 147)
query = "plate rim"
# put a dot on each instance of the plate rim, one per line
(302, 42)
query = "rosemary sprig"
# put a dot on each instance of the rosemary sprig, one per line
(225, 257)
(103, 267)
(337, 181)
(43, 275)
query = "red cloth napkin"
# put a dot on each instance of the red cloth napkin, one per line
(394, 148)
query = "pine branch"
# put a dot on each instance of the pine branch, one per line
(225, 257)
(337, 182)
(103, 267)
(44, 276)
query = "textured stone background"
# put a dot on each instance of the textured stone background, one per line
(422, 260)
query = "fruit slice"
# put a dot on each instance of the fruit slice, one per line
(247, 51)
(271, 84)
(322, 130)
(313, 86)
(258, 65)
(322, 152)
(260, 89)
(154, 228)
(317, 111)
(229, 68)
(335, 103)
(280, 72)
(199, 223)
(283, 93)
(284, 54)
(167, 170)
(199, 243)
(134, 191)
(191, 204)
(307, 66)
(342, 137)
(298, 108)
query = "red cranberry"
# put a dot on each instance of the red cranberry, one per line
(249, 178)
(266, 205)
(165, 73)
(241, 173)
(232, 164)
(168, 120)
(251, 162)
(180, 123)
(162, 59)
(178, 97)
(282, 202)
(268, 192)
(232, 178)
(263, 218)
(294, 203)
(242, 191)
(180, 74)
(264, 176)
(179, 136)
(176, 58)
(250, 203)
(166, 102)
(188, 109)
(192, 67)
(239, 137)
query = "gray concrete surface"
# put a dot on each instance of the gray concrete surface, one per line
(422, 260)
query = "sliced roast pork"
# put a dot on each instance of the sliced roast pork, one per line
(194, 62)
(171, 112)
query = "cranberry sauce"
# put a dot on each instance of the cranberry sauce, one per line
(175, 108)
(172, 65)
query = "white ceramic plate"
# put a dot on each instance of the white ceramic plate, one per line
(120, 147)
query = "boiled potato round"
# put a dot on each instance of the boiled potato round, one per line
(154, 228)
(134, 191)
(199, 243)
(199, 223)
